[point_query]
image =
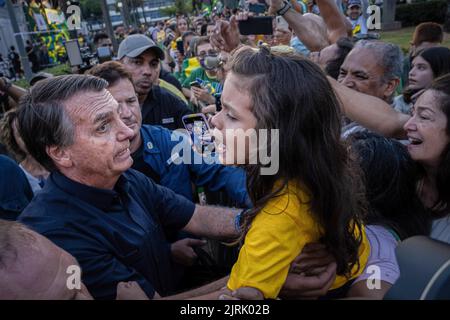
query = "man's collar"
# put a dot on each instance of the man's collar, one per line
(100, 198)
(150, 95)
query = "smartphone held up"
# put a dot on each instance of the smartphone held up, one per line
(199, 132)
(256, 26)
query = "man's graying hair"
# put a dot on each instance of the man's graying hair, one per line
(389, 55)
(43, 120)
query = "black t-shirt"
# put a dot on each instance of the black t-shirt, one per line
(14, 57)
(31, 54)
(168, 77)
(162, 108)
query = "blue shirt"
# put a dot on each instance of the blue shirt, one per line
(157, 153)
(116, 235)
(15, 191)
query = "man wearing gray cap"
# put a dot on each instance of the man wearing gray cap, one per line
(141, 57)
(356, 17)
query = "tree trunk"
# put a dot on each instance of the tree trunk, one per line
(143, 13)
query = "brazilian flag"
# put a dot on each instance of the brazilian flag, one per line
(52, 33)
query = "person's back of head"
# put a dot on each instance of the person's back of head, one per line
(7, 136)
(32, 267)
(391, 178)
(428, 32)
(111, 71)
(344, 46)
(100, 36)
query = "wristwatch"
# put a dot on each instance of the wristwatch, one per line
(286, 7)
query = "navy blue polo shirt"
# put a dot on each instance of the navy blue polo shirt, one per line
(15, 191)
(116, 235)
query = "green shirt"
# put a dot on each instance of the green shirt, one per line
(200, 73)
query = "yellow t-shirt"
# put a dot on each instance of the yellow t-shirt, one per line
(277, 235)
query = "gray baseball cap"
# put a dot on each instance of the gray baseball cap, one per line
(135, 44)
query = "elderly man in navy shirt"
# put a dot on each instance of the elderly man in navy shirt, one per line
(111, 218)
(154, 150)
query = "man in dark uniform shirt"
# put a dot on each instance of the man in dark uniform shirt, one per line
(141, 57)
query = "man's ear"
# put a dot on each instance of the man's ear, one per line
(60, 156)
(391, 86)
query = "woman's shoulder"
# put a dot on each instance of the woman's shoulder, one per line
(292, 200)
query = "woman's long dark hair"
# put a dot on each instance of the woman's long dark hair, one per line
(391, 177)
(293, 95)
(442, 88)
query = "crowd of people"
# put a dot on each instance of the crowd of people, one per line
(91, 177)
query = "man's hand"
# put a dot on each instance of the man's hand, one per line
(282, 37)
(312, 274)
(183, 253)
(313, 260)
(226, 35)
(130, 291)
(244, 293)
(202, 94)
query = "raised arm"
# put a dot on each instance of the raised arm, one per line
(370, 112)
(309, 28)
(14, 91)
(337, 25)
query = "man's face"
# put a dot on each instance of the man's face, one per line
(199, 21)
(354, 12)
(100, 152)
(362, 72)
(105, 42)
(210, 30)
(40, 272)
(203, 50)
(144, 69)
(129, 109)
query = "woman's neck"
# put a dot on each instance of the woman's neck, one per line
(34, 168)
